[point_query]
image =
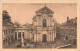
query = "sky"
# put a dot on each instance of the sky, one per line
(24, 12)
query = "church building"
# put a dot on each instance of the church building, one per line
(44, 25)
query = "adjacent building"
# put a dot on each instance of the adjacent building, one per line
(8, 29)
(23, 31)
(68, 30)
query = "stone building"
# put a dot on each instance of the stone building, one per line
(8, 29)
(22, 31)
(68, 30)
(44, 25)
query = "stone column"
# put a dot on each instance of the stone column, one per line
(21, 35)
(53, 36)
(30, 34)
(50, 36)
(36, 36)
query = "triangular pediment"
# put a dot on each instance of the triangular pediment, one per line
(45, 10)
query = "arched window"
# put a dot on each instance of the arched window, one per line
(44, 23)
(66, 37)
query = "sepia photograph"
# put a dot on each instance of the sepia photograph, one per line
(39, 25)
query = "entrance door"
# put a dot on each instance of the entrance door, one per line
(44, 38)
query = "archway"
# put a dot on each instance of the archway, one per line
(44, 38)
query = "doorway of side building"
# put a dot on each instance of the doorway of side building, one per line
(8, 41)
(66, 37)
(44, 38)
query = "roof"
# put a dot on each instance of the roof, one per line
(27, 25)
(45, 10)
(71, 22)
(5, 23)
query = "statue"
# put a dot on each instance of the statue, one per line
(22, 42)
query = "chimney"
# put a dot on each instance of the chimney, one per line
(67, 19)
(76, 18)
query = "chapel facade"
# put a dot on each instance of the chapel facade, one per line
(44, 29)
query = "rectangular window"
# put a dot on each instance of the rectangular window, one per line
(15, 35)
(23, 34)
(12, 30)
(3, 42)
(6, 40)
(33, 36)
(19, 34)
(11, 38)
(4, 32)
(9, 31)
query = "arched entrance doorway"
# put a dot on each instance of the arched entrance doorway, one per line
(44, 38)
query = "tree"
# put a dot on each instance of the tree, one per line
(5, 16)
